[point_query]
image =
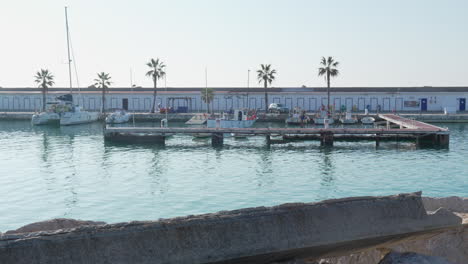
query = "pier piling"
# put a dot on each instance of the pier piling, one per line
(217, 139)
(268, 140)
(326, 139)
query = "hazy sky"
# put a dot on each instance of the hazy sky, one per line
(378, 42)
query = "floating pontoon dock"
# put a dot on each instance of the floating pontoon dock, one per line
(422, 133)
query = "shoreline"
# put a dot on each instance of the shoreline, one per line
(428, 117)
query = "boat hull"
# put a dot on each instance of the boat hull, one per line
(45, 119)
(348, 121)
(321, 121)
(367, 120)
(118, 118)
(76, 118)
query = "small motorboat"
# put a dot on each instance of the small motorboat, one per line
(240, 119)
(118, 117)
(197, 120)
(297, 117)
(367, 120)
(348, 119)
(323, 115)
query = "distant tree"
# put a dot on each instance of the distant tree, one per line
(328, 70)
(267, 76)
(157, 72)
(45, 79)
(103, 82)
(207, 96)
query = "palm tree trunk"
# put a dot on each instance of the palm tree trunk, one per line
(266, 96)
(328, 91)
(154, 96)
(103, 108)
(44, 98)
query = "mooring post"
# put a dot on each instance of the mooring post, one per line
(161, 140)
(326, 139)
(443, 140)
(377, 140)
(268, 140)
(217, 139)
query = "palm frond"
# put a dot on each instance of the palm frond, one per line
(334, 72)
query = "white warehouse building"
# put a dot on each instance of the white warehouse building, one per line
(311, 99)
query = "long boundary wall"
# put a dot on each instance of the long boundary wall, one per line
(310, 99)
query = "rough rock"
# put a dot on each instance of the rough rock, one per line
(254, 235)
(452, 203)
(53, 224)
(411, 258)
(451, 245)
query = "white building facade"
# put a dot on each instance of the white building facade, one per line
(311, 99)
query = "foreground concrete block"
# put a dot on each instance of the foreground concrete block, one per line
(254, 235)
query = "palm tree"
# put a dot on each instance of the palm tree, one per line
(266, 75)
(207, 96)
(103, 82)
(157, 72)
(45, 79)
(328, 70)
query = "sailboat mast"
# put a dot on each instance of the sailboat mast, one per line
(68, 50)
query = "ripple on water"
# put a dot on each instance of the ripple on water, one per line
(48, 172)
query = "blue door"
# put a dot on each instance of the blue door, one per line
(462, 104)
(424, 104)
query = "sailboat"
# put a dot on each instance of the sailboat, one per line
(75, 115)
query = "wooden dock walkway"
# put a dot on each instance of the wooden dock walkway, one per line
(420, 131)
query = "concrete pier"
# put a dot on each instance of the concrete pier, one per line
(256, 235)
(409, 129)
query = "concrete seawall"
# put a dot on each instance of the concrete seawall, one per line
(254, 235)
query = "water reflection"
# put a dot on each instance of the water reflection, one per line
(157, 172)
(264, 176)
(326, 166)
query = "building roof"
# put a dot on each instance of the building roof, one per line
(252, 90)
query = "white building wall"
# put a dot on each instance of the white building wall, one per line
(224, 101)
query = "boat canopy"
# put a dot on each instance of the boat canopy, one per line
(66, 97)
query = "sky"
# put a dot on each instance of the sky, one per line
(378, 43)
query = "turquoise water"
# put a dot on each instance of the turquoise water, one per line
(48, 172)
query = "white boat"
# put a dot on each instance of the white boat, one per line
(297, 117)
(197, 120)
(322, 116)
(45, 118)
(348, 119)
(118, 117)
(367, 120)
(50, 116)
(240, 119)
(77, 116)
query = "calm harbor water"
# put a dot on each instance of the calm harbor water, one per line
(48, 172)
